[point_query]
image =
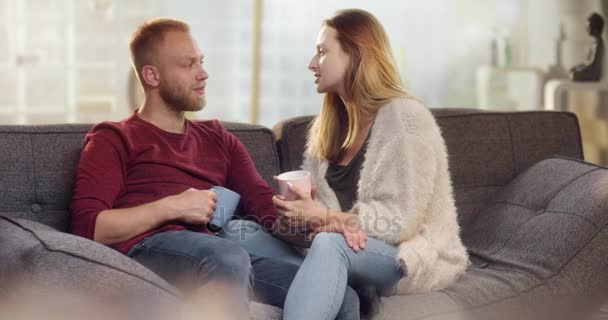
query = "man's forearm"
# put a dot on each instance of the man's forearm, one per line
(117, 225)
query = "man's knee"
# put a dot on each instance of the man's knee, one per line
(241, 229)
(244, 225)
(230, 255)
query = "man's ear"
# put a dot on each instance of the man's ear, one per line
(150, 75)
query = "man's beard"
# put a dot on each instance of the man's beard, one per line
(178, 99)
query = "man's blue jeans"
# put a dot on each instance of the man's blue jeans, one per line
(190, 260)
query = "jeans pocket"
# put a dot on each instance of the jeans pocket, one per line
(141, 245)
(135, 249)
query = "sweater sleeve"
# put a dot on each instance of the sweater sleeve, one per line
(244, 178)
(394, 199)
(99, 179)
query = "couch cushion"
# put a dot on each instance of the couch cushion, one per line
(40, 263)
(40, 259)
(543, 218)
(38, 163)
(540, 250)
(545, 234)
(488, 149)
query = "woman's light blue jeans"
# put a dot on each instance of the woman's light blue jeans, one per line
(258, 242)
(318, 288)
(326, 274)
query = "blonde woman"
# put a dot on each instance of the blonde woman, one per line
(384, 196)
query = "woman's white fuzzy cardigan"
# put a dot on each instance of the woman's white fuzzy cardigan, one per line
(405, 195)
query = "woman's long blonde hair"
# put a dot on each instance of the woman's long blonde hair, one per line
(371, 80)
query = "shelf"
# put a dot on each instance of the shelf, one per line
(555, 88)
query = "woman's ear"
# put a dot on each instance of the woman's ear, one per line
(150, 75)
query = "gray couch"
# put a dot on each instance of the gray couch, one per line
(533, 215)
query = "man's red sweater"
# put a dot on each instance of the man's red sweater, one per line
(132, 162)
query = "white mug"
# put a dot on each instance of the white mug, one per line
(300, 179)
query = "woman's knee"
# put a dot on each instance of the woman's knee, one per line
(328, 241)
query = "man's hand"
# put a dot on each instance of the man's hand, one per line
(193, 206)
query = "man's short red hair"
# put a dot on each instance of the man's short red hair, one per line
(148, 36)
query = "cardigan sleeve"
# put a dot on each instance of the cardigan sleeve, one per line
(399, 181)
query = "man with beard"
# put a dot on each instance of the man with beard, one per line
(143, 183)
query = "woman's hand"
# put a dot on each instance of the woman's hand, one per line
(302, 210)
(348, 225)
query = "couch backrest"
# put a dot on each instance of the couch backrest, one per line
(486, 149)
(38, 166)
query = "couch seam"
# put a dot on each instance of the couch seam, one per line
(497, 250)
(44, 132)
(275, 151)
(306, 124)
(578, 134)
(285, 146)
(470, 186)
(573, 214)
(513, 160)
(498, 114)
(570, 182)
(578, 251)
(547, 211)
(597, 166)
(34, 177)
(503, 202)
(560, 189)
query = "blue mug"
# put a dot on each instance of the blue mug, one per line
(226, 204)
